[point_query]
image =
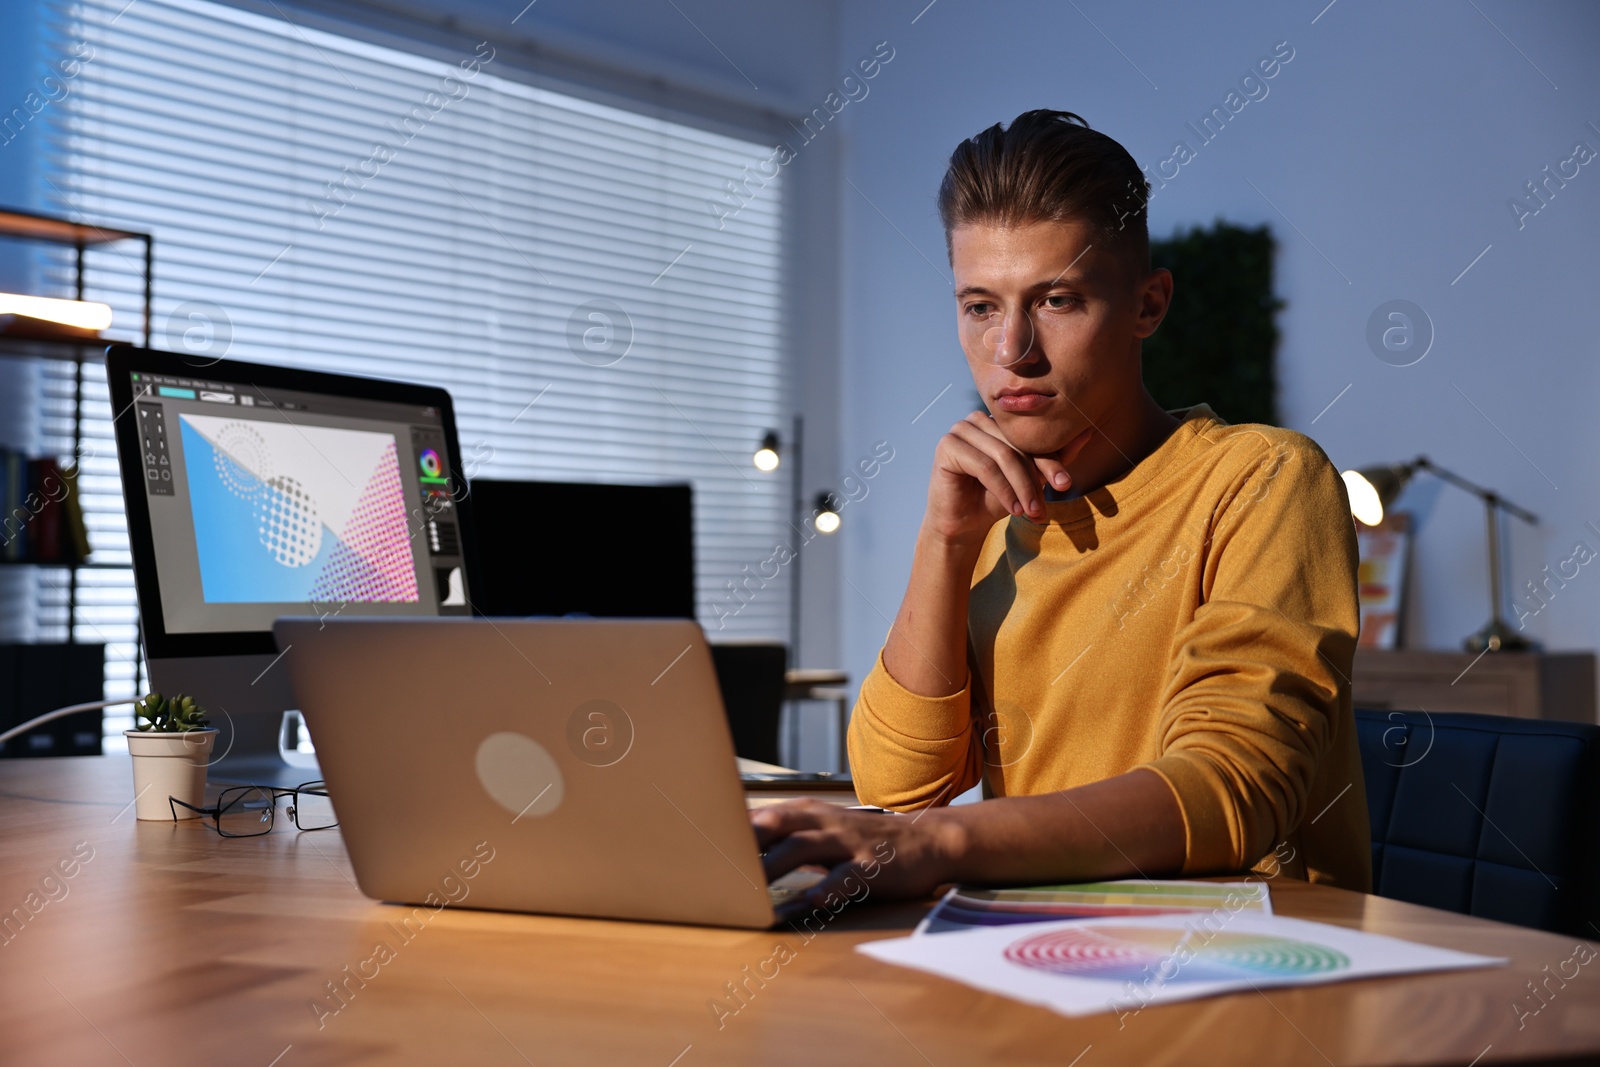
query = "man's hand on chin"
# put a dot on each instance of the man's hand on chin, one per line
(980, 477)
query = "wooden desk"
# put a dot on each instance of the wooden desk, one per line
(175, 947)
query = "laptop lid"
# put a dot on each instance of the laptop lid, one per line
(576, 767)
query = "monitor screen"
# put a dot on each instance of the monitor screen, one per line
(578, 548)
(255, 492)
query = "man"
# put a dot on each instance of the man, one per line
(1134, 628)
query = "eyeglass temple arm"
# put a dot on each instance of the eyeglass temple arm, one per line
(171, 800)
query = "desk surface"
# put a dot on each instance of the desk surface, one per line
(172, 946)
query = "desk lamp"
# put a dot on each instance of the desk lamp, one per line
(1373, 489)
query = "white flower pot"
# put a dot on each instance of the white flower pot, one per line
(169, 765)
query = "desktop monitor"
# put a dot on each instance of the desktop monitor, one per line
(255, 492)
(582, 548)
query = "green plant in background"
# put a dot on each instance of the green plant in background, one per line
(158, 714)
(1217, 343)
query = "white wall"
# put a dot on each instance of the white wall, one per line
(1392, 139)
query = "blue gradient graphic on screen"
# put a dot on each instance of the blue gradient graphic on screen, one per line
(289, 513)
(236, 564)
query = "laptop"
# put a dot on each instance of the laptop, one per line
(564, 766)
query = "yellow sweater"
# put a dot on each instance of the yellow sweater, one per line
(1197, 616)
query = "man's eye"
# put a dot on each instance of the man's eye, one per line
(980, 310)
(1060, 302)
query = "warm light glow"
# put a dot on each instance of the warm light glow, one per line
(1364, 502)
(83, 314)
(766, 459)
(827, 521)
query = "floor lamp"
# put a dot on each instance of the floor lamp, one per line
(825, 515)
(1373, 489)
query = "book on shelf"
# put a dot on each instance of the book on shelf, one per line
(75, 532)
(41, 517)
(13, 514)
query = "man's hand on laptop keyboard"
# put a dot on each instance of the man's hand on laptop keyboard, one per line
(886, 856)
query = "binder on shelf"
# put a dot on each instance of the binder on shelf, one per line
(14, 515)
(41, 518)
(75, 545)
(45, 491)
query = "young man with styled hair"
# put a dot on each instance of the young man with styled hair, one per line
(1132, 627)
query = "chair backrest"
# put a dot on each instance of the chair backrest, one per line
(1486, 815)
(751, 675)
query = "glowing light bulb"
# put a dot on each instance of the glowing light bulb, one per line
(766, 457)
(1365, 504)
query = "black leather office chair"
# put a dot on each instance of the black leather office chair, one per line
(751, 675)
(1486, 815)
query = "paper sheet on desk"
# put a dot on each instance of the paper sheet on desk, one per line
(1085, 966)
(964, 908)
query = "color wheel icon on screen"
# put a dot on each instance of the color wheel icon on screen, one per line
(432, 466)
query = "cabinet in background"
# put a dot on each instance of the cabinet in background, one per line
(1526, 685)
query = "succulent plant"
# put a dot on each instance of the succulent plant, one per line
(169, 715)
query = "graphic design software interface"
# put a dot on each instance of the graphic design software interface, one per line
(267, 502)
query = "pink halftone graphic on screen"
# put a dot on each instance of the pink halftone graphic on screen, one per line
(373, 561)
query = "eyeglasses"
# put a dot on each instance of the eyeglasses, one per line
(251, 810)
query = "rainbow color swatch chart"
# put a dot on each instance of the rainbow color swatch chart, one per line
(963, 907)
(1133, 953)
(1087, 966)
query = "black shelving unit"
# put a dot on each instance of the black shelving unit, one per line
(80, 236)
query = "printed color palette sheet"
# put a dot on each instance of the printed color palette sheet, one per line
(964, 908)
(1087, 966)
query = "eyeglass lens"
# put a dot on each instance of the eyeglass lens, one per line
(311, 810)
(245, 812)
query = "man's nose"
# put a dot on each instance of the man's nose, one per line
(1013, 341)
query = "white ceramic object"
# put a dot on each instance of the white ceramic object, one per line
(169, 765)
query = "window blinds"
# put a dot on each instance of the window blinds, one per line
(324, 202)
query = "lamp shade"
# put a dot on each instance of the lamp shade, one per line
(1373, 489)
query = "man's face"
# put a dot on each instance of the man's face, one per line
(1050, 320)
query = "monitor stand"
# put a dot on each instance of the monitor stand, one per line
(245, 698)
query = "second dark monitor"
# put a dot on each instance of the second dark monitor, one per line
(570, 548)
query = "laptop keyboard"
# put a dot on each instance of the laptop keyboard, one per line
(783, 896)
(791, 888)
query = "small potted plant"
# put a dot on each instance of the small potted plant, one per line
(171, 749)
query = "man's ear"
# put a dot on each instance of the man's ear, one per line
(1154, 298)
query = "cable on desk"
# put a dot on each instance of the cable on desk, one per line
(61, 713)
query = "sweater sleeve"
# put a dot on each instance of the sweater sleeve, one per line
(909, 751)
(1260, 674)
